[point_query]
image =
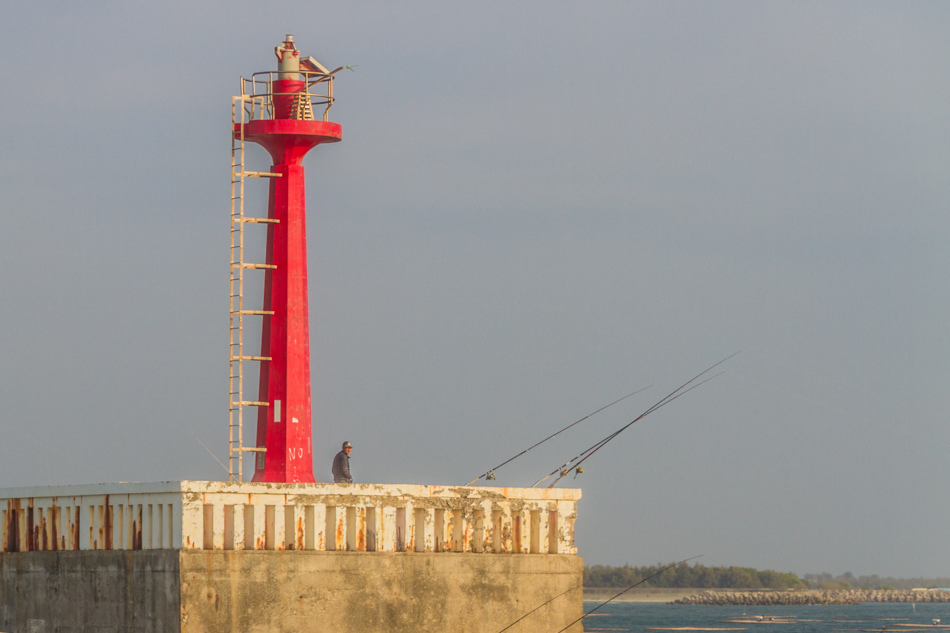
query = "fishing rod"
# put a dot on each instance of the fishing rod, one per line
(491, 473)
(566, 468)
(583, 455)
(596, 447)
(580, 586)
(606, 602)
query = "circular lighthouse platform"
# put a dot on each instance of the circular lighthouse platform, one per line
(288, 140)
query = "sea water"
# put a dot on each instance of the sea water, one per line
(644, 616)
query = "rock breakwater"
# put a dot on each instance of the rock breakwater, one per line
(849, 596)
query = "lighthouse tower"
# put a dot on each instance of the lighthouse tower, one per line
(275, 110)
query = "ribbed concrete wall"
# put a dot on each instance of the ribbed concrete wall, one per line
(209, 591)
(315, 517)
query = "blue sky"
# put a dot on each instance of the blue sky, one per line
(536, 208)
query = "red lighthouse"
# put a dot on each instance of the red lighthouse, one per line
(276, 112)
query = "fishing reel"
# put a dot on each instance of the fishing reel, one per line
(490, 475)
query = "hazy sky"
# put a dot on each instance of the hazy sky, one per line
(537, 207)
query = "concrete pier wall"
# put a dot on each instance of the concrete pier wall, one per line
(213, 556)
(392, 593)
(276, 592)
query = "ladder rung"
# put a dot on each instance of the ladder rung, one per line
(259, 312)
(251, 358)
(253, 266)
(250, 403)
(248, 449)
(258, 220)
(260, 174)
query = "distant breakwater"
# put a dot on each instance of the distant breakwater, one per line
(845, 596)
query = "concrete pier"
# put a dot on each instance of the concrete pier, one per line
(217, 556)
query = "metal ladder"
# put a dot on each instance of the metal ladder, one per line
(242, 109)
(301, 108)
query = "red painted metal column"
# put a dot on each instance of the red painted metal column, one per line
(284, 427)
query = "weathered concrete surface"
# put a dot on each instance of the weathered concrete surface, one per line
(89, 591)
(213, 591)
(346, 592)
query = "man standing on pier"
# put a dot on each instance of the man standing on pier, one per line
(341, 465)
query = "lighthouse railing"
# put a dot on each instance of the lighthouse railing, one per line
(317, 91)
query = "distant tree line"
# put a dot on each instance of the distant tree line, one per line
(702, 577)
(848, 580)
(691, 576)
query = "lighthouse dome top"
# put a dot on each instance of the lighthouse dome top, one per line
(289, 60)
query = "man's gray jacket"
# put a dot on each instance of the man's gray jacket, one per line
(341, 469)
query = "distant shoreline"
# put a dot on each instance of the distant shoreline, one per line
(765, 597)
